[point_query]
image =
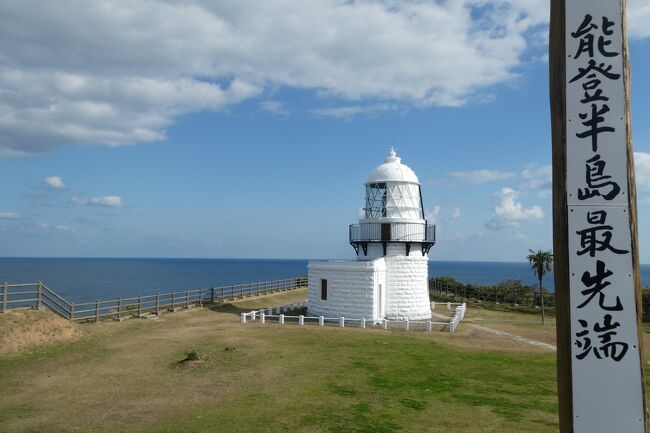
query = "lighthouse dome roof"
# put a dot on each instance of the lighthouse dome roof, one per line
(392, 170)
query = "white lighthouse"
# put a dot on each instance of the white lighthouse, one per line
(389, 279)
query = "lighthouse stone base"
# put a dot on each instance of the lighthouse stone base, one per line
(391, 287)
(408, 294)
(352, 289)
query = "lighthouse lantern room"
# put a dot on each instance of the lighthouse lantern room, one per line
(389, 279)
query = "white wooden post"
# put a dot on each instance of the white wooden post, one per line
(301, 320)
(363, 323)
(281, 319)
(433, 305)
(341, 322)
(253, 314)
(385, 323)
(262, 317)
(448, 305)
(429, 327)
(321, 321)
(243, 318)
(406, 325)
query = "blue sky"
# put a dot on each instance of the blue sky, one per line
(247, 129)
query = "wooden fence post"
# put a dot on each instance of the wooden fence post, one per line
(157, 304)
(97, 311)
(200, 297)
(172, 306)
(119, 308)
(187, 300)
(223, 296)
(5, 290)
(39, 298)
(212, 295)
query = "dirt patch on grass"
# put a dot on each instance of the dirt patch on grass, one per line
(26, 329)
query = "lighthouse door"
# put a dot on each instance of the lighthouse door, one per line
(385, 231)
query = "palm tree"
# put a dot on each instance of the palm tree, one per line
(541, 262)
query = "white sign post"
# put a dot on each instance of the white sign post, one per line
(597, 214)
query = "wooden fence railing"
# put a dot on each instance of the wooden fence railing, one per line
(38, 295)
(518, 295)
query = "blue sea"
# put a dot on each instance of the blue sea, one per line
(88, 279)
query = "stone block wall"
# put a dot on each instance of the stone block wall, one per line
(407, 294)
(351, 288)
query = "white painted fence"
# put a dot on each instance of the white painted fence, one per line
(449, 305)
(265, 314)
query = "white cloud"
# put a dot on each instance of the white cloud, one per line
(508, 212)
(64, 228)
(642, 169)
(638, 17)
(54, 182)
(353, 110)
(537, 177)
(9, 215)
(432, 215)
(482, 176)
(108, 201)
(118, 72)
(56, 227)
(274, 107)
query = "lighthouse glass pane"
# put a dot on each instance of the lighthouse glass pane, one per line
(403, 201)
(375, 200)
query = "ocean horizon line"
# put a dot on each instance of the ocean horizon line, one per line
(239, 258)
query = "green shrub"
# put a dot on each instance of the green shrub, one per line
(192, 355)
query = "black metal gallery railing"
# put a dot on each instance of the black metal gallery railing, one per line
(392, 232)
(419, 234)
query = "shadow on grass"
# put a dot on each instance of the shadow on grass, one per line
(227, 308)
(230, 308)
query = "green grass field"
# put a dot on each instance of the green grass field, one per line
(126, 377)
